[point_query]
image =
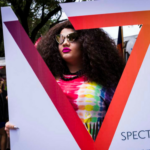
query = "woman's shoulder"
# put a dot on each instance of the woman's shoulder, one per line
(107, 94)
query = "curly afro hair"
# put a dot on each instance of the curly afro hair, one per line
(101, 60)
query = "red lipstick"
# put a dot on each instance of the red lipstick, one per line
(66, 50)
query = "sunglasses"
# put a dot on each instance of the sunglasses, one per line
(70, 37)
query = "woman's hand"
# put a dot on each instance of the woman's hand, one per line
(9, 126)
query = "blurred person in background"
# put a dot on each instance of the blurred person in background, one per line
(3, 113)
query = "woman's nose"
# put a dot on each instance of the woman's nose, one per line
(66, 42)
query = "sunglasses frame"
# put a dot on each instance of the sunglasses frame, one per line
(66, 37)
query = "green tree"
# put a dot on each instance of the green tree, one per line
(2, 3)
(36, 16)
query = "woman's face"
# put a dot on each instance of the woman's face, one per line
(70, 51)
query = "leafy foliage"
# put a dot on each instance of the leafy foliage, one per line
(36, 16)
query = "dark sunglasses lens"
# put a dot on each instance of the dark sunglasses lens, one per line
(72, 37)
(59, 38)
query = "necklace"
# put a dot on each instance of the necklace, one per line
(73, 75)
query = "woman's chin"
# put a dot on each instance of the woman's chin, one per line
(67, 57)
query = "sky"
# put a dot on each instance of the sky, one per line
(113, 31)
(127, 31)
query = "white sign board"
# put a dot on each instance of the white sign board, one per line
(35, 99)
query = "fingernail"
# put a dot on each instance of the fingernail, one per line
(15, 127)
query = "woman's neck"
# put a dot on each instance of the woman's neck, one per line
(74, 68)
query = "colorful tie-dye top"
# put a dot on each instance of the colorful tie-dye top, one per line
(89, 100)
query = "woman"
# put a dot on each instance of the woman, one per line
(87, 66)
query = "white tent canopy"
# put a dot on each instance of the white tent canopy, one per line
(2, 61)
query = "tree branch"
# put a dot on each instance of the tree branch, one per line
(45, 19)
(24, 18)
(22, 14)
(16, 8)
(27, 6)
(42, 16)
(58, 21)
(42, 23)
(68, 1)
